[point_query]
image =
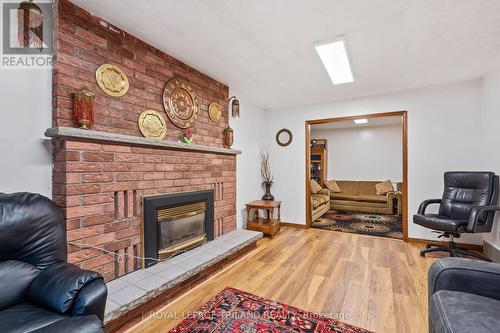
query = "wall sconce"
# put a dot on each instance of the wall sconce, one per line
(235, 107)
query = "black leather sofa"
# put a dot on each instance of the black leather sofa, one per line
(464, 296)
(39, 291)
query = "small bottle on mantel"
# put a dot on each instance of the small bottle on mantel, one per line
(83, 108)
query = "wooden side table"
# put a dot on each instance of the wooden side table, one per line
(268, 225)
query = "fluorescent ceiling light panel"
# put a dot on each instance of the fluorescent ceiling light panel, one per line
(335, 58)
(361, 121)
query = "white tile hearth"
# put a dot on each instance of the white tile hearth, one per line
(111, 306)
(131, 290)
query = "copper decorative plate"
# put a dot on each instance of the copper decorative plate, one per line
(181, 103)
(112, 80)
(152, 124)
(214, 112)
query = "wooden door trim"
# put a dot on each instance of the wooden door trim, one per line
(405, 175)
(404, 115)
(308, 174)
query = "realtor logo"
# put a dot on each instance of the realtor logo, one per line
(26, 34)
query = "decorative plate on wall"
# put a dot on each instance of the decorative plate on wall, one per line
(214, 112)
(112, 80)
(284, 137)
(152, 124)
(181, 103)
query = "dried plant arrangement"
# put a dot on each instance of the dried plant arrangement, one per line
(265, 169)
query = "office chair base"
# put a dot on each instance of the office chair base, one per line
(452, 250)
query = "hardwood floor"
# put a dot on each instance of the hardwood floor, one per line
(376, 283)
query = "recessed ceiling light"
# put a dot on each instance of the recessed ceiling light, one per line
(335, 58)
(361, 121)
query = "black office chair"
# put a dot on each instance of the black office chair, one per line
(468, 205)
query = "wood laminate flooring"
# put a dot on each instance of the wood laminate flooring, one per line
(376, 283)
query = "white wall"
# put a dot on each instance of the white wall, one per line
(26, 104)
(250, 131)
(491, 138)
(443, 134)
(364, 153)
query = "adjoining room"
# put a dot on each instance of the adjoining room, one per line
(356, 168)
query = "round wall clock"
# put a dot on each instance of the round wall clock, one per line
(112, 80)
(214, 112)
(152, 124)
(181, 103)
(284, 137)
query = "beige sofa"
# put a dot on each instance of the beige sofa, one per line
(320, 203)
(361, 196)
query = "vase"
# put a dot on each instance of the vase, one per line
(268, 195)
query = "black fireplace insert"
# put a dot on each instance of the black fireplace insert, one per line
(174, 223)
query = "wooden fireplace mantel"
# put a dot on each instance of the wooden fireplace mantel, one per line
(97, 136)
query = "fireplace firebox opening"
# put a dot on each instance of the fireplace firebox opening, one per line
(174, 223)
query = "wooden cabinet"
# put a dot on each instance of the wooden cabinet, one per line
(319, 165)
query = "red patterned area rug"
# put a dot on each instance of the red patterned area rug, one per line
(233, 310)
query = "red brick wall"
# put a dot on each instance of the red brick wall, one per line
(84, 42)
(100, 186)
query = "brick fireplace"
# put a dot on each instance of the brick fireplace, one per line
(99, 180)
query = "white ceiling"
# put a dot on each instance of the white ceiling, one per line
(372, 122)
(263, 49)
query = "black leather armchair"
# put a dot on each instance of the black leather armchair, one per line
(39, 291)
(464, 296)
(468, 205)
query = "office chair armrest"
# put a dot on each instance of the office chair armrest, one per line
(465, 275)
(476, 212)
(425, 203)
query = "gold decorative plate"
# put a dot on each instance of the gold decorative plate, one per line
(181, 103)
(152, 124)
(214, 112)
(112, 80)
